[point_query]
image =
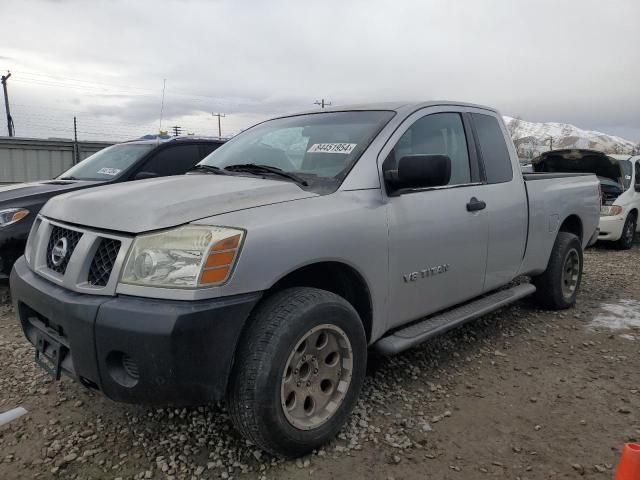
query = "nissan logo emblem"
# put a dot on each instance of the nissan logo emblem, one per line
(59, 251)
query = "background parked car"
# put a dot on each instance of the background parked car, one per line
(135, 160)
(619, 177)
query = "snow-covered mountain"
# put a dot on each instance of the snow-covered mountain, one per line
(532, 138)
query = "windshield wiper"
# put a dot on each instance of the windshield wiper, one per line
(68, 178)
(256, 168)
(209, 169)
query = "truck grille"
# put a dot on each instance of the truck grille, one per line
(103, 261)
(71, 239)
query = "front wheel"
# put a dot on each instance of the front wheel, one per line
(298, 372)
(557, 287)
(628, 231)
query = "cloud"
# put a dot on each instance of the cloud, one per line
(573, 61)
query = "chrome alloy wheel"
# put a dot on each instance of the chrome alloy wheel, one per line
(316, 377)
(570, 273)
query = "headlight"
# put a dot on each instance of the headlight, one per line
(185, 257)
(610, 210)
(10, 216)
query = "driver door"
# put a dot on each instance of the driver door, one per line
(437, 247)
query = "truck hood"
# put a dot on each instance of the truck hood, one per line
(578, 161)
(145, 205)
(608, 169)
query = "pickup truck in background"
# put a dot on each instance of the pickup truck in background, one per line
(134, 160)
(266, 275)
(619, 177)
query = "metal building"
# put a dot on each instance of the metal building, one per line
(29, 159)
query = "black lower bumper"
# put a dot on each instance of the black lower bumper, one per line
(136, 350)
(12, 242)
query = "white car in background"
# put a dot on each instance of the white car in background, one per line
(619, 216)
(619, 177)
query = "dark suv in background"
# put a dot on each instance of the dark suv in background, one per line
(135, 160)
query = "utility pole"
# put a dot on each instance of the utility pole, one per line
(76, 153)
(176, 130)
(164, 86)
(322, 103)
(10, 127)
(550, 143)
(219, 115)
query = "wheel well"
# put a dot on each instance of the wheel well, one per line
(572, 224)
(634, 212)
(337, 278)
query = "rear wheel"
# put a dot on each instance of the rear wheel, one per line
(628, 231)
(298, 372)
(557, 287)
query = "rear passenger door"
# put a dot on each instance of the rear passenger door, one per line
(173, 160)
(505, 196)
(437, 247)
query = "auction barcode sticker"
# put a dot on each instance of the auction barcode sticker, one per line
(345, 148)
(109, 171)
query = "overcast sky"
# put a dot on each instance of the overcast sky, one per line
(574, 61)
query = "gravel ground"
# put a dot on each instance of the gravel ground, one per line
(522, 393)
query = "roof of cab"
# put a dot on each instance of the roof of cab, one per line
(190, 138)
(397, 106)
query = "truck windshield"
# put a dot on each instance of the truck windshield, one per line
(320, 148)
(108, 163)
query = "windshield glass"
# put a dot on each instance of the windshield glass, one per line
(320, 148)
(108, 163)
(626, 172)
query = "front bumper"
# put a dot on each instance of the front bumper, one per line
(611, 227)
(135, 350)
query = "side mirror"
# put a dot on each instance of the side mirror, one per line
(145, 175)
(420, 171)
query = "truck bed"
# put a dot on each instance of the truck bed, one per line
(554, 198)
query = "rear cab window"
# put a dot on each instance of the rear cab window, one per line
(493, 148)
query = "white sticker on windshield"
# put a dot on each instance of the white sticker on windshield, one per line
(109, 171)
(627, 177)
(345, 148)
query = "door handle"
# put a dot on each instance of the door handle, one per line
(474, 205)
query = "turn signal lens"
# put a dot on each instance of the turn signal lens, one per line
(227, 243)
(220, 260)
(214, 275)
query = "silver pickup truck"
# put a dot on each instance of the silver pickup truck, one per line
(265, 276)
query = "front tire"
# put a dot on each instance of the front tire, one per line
(299, 369)
(557, 287)
(628, 231)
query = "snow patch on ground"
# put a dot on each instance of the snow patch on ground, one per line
(624, 315)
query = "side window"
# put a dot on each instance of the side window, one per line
(438, 134)
(637, 179)
(495, 154)
(174, 160)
